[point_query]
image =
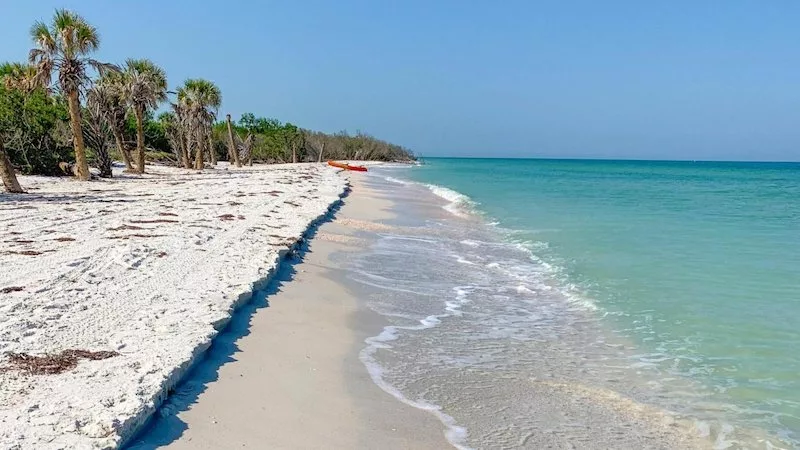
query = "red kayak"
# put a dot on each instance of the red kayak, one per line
(347, 166)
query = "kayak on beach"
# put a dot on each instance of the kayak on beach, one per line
(347, 166)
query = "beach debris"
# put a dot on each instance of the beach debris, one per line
(153, 221)
(54, 363)
(126, 227)
(25, 252)
(9, 289)
(68, 168)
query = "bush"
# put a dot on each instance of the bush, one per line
(36, 131)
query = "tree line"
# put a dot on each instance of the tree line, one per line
(270, 141)
(63, 111)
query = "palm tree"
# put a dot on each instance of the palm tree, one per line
(102, 122)
(107, 94)
(173, 129)
(200, 99)
(14, 76)
(145, 86)
(182, 129)
(63, 47)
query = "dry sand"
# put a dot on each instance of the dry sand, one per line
(146, 267)
(287, 376)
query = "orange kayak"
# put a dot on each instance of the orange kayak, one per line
(347, 166)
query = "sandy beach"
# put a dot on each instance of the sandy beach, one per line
(125, 282)
(286, 374)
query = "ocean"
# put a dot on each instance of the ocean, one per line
(590, 304)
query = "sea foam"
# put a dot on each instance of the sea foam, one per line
(454, 433)
(459, 204)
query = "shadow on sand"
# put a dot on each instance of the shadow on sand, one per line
(165, 426)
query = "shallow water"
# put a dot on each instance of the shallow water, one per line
(591, 304)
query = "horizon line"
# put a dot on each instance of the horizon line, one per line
(612, 159)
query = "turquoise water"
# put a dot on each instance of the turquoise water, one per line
(698, 264)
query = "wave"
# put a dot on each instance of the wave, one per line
(396, 181)
(460, 204)
(456, 435)
(463, 206)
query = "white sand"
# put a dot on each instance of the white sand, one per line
(157, 294)
(287, 376)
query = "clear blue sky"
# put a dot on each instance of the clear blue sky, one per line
(630, 79)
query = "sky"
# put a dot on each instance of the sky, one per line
(560, 78)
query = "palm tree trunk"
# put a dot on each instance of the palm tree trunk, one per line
(294, 153)
(187, 160)
(322, 149)
(139, 113)
(233, 149)
(211, 151)
(7, 172)
(198, 159)
(77, 136)
(126, 157)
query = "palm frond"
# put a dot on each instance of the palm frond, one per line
(87, 38)
(145, 82)
(64, 19)
(42, 37)
(205, 92)
(62, 47)
(102, 68)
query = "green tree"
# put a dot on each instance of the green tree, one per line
(34, 125)
(13, 77)
(292, 138)
(200, 99)
(63, 47)
(145, 86)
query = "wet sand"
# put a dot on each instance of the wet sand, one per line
(286, 374)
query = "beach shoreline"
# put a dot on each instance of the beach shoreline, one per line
(287, 374)
(145, 270)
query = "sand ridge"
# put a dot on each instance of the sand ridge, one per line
(149, 267)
